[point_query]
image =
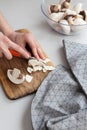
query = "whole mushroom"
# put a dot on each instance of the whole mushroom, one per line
(54, 8)
(57, 16)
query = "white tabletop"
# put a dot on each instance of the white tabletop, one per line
(15, 115)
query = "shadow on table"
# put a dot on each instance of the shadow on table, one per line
(26, 122)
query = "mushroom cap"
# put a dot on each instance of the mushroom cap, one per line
(57, 16)
(15, 76)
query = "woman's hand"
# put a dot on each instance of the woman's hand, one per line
(6, 44)
(9, 39)
(22, 38)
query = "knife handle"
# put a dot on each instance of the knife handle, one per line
(15, 53)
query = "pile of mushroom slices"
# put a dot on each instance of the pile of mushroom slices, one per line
(64, 14)
(38, 65)
(34, 65)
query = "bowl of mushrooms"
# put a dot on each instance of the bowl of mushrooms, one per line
(67, 17)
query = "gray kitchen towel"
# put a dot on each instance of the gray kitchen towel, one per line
(76, 55)
(61, 101)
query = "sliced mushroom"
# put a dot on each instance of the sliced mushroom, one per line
(38, 65)
(28, 78)
(37, 68)
(47, 67)
(29, 69)
(44, 70)
(46, 60)
(35, 62)
(15, 76)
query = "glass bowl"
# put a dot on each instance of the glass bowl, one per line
(62, 28)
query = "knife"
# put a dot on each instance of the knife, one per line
(17, 54)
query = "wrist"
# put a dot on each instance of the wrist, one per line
(5, 28)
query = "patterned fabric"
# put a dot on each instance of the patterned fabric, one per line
(61, 102)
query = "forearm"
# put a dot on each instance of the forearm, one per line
(5, 28)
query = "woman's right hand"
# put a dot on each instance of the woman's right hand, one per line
(6, 44)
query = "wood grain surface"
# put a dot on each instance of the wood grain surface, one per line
(14, 91)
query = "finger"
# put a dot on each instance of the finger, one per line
(41, 54)
(32, 44)
(7, 53)
(35, 53)
(19, 49)
(29, 54)
(27, 51)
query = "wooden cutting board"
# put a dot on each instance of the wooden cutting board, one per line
(17, 91)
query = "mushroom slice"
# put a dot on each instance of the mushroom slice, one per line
(44, 70)
(38, 65)
(36, 68)
(15, 76)
(29, 69)
(46, 60)
(49, 67)
(35, 62)
(40, 68)
(28, 78)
